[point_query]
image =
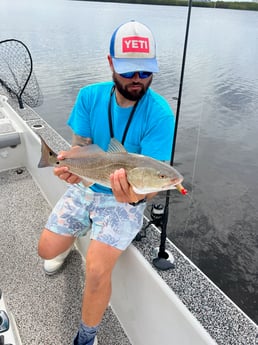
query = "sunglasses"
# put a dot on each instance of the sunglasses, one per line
(142, 74)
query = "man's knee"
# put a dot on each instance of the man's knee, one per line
(96, 280)
(100, 261)
(45, 252)
(97, 276)
(50, 244)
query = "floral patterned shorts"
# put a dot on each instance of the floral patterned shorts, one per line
(111, 222)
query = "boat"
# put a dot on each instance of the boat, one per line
(176, 306)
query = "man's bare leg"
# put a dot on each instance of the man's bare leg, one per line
(51, 244)
(100, 261)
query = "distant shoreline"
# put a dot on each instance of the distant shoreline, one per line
(233, 5)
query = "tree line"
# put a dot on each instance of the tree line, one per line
(234, 5)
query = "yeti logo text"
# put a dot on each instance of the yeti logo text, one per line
(135, 45)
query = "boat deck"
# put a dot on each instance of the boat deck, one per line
(46, 309)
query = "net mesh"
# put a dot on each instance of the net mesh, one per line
(16, 73)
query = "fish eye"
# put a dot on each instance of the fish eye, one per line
(162, 176)
(57, 162)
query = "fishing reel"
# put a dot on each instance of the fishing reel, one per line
(156, 215)
(162, 259)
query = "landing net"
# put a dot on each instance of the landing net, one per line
(16, 73)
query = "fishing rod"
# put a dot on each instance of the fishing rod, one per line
(163, 261)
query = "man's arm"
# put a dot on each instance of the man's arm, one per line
(77, 140)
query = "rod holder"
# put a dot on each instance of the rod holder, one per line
(163, 260)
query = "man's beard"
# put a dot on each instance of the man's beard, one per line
(131, 95)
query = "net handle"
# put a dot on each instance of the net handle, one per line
(19, 96)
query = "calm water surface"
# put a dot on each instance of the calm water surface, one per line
(217, 225)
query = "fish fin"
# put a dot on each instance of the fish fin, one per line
(87, 183)
(84, 151)
(144, 190)
(47, 155)
(115, 146)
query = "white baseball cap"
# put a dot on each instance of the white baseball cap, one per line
(133, 48)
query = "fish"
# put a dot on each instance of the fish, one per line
(94, 165)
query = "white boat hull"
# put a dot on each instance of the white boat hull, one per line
(148, 309)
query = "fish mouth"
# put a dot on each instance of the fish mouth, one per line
(172, 183)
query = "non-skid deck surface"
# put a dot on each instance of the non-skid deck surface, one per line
(46, 309)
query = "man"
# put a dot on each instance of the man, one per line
(142, 120)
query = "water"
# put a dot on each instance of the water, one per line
(217, 140)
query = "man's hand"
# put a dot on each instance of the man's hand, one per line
(63, 172)
(122, 190)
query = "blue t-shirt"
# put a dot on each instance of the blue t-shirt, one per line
(151, 130)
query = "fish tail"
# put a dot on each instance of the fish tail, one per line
(48, 157)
